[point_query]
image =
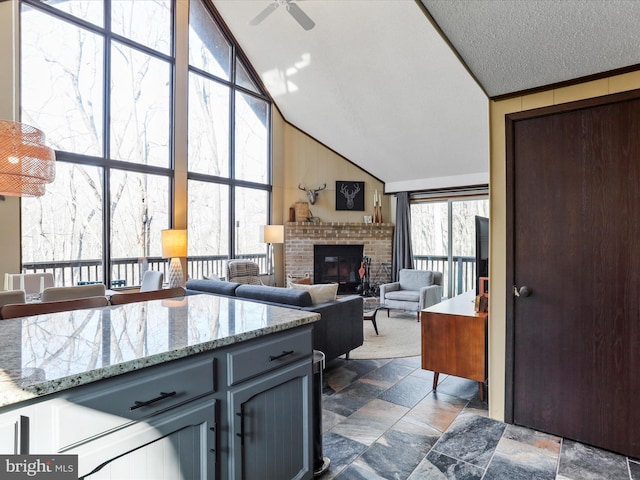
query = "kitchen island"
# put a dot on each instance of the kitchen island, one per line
(193, 387)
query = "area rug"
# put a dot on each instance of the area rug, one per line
(399, 336)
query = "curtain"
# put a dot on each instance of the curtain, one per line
(402, 251)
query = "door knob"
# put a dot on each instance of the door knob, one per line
(523, 291)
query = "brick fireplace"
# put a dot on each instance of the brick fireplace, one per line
(300, 238)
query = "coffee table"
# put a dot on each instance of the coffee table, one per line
(370, 309)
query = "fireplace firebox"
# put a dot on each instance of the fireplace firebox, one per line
(338, 264)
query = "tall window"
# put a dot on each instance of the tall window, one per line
(229, 159)
(443, 239)
(98, 79)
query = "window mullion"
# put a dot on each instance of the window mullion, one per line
(450, 293)
(106, 149)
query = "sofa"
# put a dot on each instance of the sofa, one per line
(414, 290)
(339, 330)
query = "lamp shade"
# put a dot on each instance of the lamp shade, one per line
(26, 163)
(273, 234)
(174, 243)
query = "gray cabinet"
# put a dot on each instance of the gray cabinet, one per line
(179, 444)
(159, 422)
(271, 425)
(242, 411)
(14, 434)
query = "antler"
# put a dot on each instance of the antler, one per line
(347, 193)
(311, 193)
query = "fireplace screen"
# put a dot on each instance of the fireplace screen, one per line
(338, 264)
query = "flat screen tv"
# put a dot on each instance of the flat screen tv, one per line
(482, 250)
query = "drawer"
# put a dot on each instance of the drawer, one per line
(113, 403)
(260, 357)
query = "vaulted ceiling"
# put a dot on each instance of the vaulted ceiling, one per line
(401, 87)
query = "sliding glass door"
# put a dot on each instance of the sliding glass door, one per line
(443, 239)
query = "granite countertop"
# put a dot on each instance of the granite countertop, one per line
(49, 353)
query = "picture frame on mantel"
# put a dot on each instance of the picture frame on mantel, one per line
(349, 195)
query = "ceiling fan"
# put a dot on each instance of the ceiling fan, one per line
(294, 10)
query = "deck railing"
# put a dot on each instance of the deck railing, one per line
(128, 272)
(463, 271)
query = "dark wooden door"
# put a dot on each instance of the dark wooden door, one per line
(574, 207)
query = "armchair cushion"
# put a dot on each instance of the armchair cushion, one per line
(404, 295)
(415, 279)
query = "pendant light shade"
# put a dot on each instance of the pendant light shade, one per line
(26, 163)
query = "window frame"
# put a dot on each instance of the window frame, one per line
(450, 197)
(107, 164)
(232, 182)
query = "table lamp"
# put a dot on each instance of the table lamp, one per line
(272, 234)
(174, 246)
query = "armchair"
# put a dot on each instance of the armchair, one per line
(414, 291)
(243, 271)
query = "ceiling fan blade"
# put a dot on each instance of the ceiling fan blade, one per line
(264, 13)
(301, 17)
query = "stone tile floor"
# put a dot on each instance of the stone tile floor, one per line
(381, 420)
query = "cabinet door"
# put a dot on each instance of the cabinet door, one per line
(14, 434)
(271, 425)
(179, 444)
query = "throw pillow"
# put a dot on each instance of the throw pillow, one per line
(322, 293)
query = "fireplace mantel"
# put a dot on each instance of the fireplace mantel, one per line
(300, 237)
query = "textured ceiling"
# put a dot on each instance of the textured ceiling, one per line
(518, 45)
(375, 81)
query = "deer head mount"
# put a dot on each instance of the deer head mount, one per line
(312, 194)
(349, 195)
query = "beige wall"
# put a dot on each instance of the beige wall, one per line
(497, 307)
(309, 163)
(299, 159)
(10, 208)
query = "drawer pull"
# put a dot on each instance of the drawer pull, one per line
(278, 357)
(162, 396)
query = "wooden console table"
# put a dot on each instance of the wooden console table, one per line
(454, 340)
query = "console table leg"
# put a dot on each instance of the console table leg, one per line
(435, 380)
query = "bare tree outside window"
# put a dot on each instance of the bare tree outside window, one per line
(443, 239)
(101, 88)
(64, 227)
(217, 230)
